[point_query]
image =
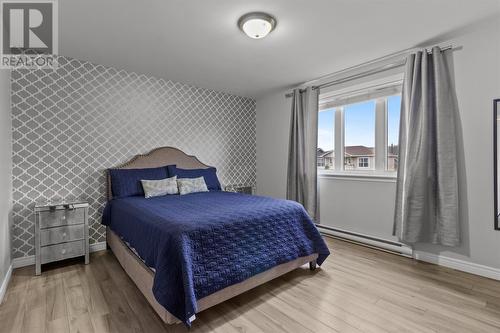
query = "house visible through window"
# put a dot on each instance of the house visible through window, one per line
(364, 128)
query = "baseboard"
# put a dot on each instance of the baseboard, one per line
(30, 260)
(5, 283)
(97, 247)
(23, 261)
(459, 265)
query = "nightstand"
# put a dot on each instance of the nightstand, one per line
(238, 188)
(61, 231)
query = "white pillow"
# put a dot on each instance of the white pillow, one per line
(157, 188)
(191, 185)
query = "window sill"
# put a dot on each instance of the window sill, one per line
(361, 175)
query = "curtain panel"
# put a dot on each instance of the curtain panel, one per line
(302, 180)
(427, 195)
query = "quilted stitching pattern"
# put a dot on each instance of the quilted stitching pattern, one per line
(72, 123)
(201, 243)
(266, 233)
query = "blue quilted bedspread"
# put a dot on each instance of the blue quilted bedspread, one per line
(201, 243)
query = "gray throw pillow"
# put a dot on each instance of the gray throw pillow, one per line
(191, 185)
(157, 188)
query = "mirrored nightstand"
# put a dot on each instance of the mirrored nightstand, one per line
(239, 188)
(61, 231)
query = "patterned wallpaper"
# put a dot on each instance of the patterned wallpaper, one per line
(72, 123)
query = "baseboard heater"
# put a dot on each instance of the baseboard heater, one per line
(371, 241)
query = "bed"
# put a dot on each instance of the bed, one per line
(187, 253)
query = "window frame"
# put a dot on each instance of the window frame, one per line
(362, 161)
(380, 167)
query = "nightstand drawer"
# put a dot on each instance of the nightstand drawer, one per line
(62, 217)
(62, 251)
(62, 234)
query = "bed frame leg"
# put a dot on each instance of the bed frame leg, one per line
(107, 246)
(312, 265)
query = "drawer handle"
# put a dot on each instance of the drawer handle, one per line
(64, 235)
(63, 251)
(63, 217)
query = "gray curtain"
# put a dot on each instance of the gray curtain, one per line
(427, 195)
(302, 182)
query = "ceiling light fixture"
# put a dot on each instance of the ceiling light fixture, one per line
(257, 25)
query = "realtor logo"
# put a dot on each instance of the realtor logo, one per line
(28, 33)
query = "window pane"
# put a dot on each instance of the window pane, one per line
(359, 139)
(326, 128)
(393, 115)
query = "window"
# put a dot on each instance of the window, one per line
(359, 134)
(393, 114)
(363, 162)
(326, 132)
(364, 128)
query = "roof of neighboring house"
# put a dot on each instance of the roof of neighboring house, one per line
(359, 151)
(325, 153)
(352, 151)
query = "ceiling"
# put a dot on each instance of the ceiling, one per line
(198, 42)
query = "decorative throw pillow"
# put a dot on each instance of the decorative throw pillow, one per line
(191, 185)
(157, 188)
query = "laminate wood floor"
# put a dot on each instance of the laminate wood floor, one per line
(358, 289)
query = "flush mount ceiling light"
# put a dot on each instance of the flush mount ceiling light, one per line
(257, 25)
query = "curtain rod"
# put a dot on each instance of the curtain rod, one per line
(373, 71)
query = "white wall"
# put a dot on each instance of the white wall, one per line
(5, 173)
(368, 207)
(362, 206)
(273, 125)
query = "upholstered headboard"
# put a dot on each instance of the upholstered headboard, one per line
(156, 158)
